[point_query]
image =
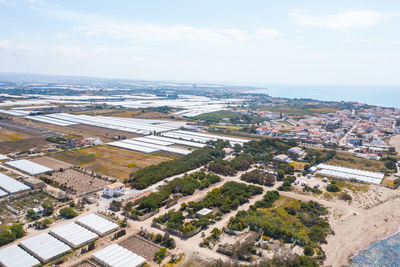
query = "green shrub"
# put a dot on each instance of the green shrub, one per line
(332, 188)
(308, 251)
(68, 213)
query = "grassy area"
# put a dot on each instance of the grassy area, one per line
(11, 141)
(226, 127)
(355, 187)
(348, 160)
(217, 116)
(110, 161)
(297, 110)
(6, 135)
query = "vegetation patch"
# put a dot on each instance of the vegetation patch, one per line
(153, 174)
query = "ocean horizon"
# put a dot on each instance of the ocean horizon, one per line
(386, 96)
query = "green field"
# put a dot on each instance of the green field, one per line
(217, 116)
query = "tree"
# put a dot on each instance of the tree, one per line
(18, 230)
(48, 209)
(31, 215)
(68, 213)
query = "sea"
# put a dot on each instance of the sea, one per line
(386, 96)
(383, 253)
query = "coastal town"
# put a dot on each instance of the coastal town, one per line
(93, 178)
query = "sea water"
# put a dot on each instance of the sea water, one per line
(383, 253)
(387, 96)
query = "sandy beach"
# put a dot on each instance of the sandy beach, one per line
(358, 227)
(395, 142)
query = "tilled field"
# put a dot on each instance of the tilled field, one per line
(140, 246)
(80, 183)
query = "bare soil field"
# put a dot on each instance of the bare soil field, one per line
(51, 163)
(140, 246)
(80, 183)
(15, 139)
(103, 133)
(8, 135)
(115, 162)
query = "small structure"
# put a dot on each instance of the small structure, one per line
(203, 212)
(34, 183)
(45, 247)
(115, 189)
(14, 256)
(38, 210)
(296, 151)
(313, 169)
(283, 158)
(374, 156)
(116, 256)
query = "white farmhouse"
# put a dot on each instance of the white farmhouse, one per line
(115, 189)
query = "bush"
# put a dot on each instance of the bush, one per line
(345, 196)
(68, 213)
(332, 188)
(160, 255)
(269, 198)
(308, 251)
(31, 215)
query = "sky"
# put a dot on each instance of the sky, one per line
(248, 41)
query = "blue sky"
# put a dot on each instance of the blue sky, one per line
(259, 42)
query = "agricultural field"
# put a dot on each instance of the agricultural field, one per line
(299, 109)
(348, 160)
(77, 182)
(79, 130)
(51, 163)
(8, 135)
(140, 246)
(15, 141)
(110, 161)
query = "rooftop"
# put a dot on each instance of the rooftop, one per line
(117, 256)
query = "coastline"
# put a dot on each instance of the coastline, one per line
(369, 245)
(360, 228)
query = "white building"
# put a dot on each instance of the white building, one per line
(115, 189)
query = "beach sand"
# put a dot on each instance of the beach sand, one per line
(395, 142)
(356, 226)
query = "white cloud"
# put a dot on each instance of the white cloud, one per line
(70, 51)
(340, 21)
(5, 44)
(174, 33)
(61, 35)
(266, 33)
